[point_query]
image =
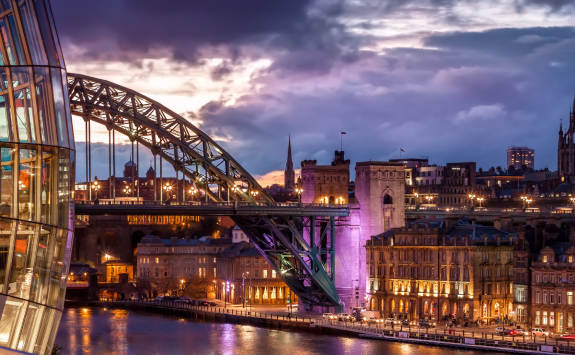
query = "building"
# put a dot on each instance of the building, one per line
(447, 186)
(566, 150)
(163, 263)
(112, 269)
(326, 183)
(441, 269)
(131, 186)
(520, 157)
(36, 178)
(245, 276)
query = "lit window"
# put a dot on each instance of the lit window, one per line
(273, 274)
(265, 274)
(544, 258)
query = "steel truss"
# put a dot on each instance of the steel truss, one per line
(299, 263)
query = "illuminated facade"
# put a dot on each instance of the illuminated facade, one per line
(36, 174)
(448, 268)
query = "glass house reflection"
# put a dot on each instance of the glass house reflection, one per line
(36, 176)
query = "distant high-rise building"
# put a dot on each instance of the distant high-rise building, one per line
(289, 174)
(519, 156)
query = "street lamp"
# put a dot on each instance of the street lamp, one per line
(192, 191)
(235, 189)
(127, 190)
(182, 282)
(299, 191)
(480, 199)
(254, 193)
(528, 200)
(96, 186)
(168, 188)
(428, 198)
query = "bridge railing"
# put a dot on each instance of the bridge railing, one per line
(211, 204)
(488, 210)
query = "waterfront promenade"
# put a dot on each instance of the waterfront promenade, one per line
(453, 337)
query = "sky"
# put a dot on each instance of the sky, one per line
(453, 80)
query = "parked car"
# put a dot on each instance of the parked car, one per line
(371, 319)
(521, 332)
(344, 317)
(404, 322)
(134, 298)
(203, 303)
(390, 321)
(512, 332)
(213, 304)
(502, 331)
(567, 336)
(424, 323)
(540, 332)
(159, 298)
(193, 302)
(357, 317)
(329, 316)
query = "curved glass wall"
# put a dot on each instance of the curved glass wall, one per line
(36, 177)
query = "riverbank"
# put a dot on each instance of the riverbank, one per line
(473, 341)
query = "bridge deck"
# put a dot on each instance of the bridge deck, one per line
(210, 208)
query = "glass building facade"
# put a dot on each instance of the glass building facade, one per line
(36, 177)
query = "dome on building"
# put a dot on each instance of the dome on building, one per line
(130, 163)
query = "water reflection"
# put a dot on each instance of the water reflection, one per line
(119, 332)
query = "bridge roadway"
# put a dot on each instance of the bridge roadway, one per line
(564, 214)
(236, 208)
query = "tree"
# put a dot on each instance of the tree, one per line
(198, 287)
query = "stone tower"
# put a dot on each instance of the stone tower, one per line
(566, 150)
(380, 192)
(326, 183)
(289, 174)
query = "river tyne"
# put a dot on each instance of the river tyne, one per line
(98, 331)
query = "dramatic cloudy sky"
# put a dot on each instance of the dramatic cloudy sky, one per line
(455, 80)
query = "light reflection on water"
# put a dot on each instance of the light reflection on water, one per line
(95, 331)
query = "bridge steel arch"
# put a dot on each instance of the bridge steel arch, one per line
(279, 239)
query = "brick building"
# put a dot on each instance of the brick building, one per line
(162, 263)
(250, 277)
(450, 268)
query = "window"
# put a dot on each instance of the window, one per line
(544, 277)
(545, 297)
(537, 297)
(544, 258)
(273, 274)
(215, 274)
(570, 258)
(558, 297)
(570, 298)
(157, 260)
(552, 297)
(545, 320)
(536, 277)
(256, 273)
(537, 317)
(265, 274)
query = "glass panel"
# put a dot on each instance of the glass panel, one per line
(67, 105)
(16, 40)
(32, 31)
(7, 231)
(44, 331)
(65, 270)
(57, 266)
(64, 188)
(23, 260)
(54, 34)
(53, 331)
(49, 185)
(41, 279)
(27, 184)
(6, 181)
(30, 327)
(23, 104)
(5, 121)
(8, 43)
(11, 321)
(45, 108)
(60, 108)
(46, 32)
(5, 5)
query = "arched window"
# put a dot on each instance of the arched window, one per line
(387, 200)
(331, 199)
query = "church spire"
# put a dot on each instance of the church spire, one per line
(289, 174)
